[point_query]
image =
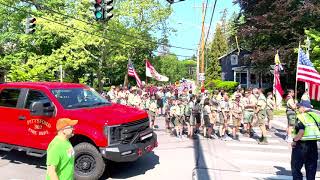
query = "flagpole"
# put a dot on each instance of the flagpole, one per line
(296, 86)
(274, 82)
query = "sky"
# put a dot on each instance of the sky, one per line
(186, 20)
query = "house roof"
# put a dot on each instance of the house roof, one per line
(230, 52)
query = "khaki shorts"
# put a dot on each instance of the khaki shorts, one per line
(270, 114)
(291, 116)
(236, 121)
(248, 116)
(261, 117)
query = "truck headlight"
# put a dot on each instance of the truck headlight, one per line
(113, 133)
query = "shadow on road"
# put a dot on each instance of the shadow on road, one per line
(201, 171)
(17, 157)
(282, 171)
(130, 169)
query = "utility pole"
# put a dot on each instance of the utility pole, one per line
(200, 58)
(202, 44)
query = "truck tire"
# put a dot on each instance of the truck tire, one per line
(89, 163)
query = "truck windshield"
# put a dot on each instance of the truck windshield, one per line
(79, 97)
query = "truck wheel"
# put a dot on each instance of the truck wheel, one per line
(88, 163)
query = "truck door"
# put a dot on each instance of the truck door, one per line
(11, 131)
(40, 129)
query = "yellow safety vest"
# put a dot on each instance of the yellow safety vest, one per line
(311, 131)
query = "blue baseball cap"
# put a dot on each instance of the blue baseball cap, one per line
(305, 103)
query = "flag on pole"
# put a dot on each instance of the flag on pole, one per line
(277, 89)
(307, 73)
(151, 72)
(132, 72)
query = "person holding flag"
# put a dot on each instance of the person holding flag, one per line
(277, 89)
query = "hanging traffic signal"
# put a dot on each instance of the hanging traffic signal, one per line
(108, 8)
(170, 1)
(98, 10)
(30, 25)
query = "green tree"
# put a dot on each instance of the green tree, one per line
(217, 48)
(276, 25)
(77, 44)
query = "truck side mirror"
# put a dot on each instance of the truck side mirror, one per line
(42, 108)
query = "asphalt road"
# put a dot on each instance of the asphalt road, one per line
(183, 159)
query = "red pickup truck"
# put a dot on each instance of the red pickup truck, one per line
(105, 131)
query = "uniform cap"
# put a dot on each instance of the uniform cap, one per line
(304, 103)
(64, 122)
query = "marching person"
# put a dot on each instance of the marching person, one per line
(192, 119)
(153, 111)
(306, 133)
(60, 153)
(261, 115)
(249, 107)
(167, 114)
(236, 112)
(291, 114)
(207, 115)
(225, 107)
(270, 108)
(176, 114)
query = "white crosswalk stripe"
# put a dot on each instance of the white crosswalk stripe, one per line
(256, 161)
(257, 146)
(246, 139)
(260, 153)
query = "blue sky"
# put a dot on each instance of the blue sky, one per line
(186, 20)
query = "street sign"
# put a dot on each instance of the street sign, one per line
(202, 77)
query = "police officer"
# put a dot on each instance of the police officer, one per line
(304, 146)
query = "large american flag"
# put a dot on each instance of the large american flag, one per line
(132, 72)
(307, 73)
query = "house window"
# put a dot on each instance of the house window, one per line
(241, 77)
(234, 60)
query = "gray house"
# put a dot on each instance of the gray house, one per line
(238, 67)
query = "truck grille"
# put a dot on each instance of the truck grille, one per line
(130, 130)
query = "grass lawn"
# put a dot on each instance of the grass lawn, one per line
(279, 112)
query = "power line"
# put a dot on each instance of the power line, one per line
(84, 31)
(214, 7)
(57, 12)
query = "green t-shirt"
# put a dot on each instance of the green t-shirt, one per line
(61, 155)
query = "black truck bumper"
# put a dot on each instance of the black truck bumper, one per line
(129, 152)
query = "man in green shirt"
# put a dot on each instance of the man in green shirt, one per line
(60, 154)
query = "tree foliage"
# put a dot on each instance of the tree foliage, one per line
(276, 25)
(174, 69)
(67, 34)
(217, 48)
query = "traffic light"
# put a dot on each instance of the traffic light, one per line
(30, 25)
(98, 10)
(108, 8)
(172, 1)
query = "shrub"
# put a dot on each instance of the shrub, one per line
(217, 84)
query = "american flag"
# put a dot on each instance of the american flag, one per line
(307, 73)
(132, 72)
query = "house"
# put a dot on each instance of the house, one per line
(236, 66)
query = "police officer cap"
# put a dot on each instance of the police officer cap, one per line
(305, 104)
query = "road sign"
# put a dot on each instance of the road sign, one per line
(202, 77)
